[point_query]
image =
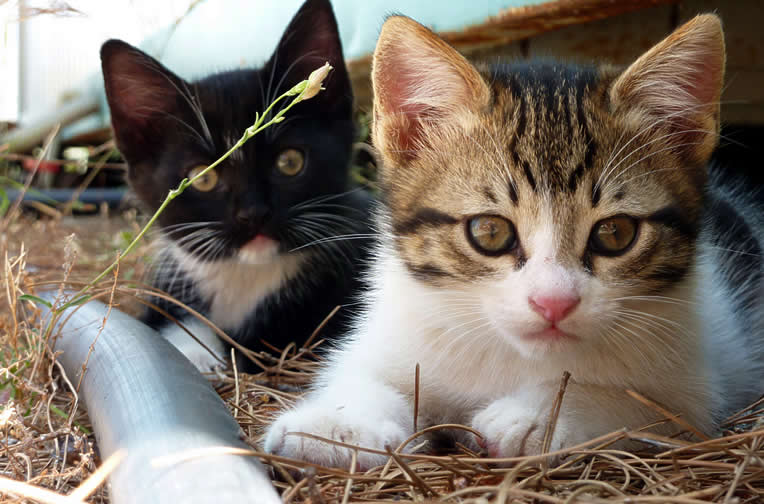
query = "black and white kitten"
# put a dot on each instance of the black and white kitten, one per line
(262, 245)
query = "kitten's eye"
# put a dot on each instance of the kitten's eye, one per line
(206, 182)
(490, 234)
(290, 162)
(612, 236)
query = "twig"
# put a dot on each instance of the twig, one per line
(349, 483)
(424, 487)
(321, 326)
(95, 480)
(28, 491)
(236, 382)
(16, 204)
(553, 416)
(663, 411)
(416, 396)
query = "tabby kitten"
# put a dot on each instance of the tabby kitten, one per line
(253, 245)
(542, 217)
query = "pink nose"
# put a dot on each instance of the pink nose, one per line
(553, 308)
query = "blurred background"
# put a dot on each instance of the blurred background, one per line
(50, 69)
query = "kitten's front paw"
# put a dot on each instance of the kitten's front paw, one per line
(514, 429)
(338, 424)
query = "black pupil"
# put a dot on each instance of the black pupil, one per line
(289, 162)
(493, 229)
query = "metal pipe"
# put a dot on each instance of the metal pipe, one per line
(32, 135)
(144, 397)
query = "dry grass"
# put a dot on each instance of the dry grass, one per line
(46, 445)
(45, 441)
(729, 469)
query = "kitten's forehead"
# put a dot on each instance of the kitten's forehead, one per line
(555, 133)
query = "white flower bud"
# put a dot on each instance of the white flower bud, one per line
(314, 82)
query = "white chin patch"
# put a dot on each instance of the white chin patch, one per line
(259, 253)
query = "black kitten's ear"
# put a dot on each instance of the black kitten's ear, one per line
(310, 40)
(142, 95)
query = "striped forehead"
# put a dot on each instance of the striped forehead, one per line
(551, 144)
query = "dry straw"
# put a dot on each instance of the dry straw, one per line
(47, 442)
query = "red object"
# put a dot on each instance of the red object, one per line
(45, 166)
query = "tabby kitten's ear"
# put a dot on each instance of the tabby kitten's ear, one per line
(311, 39)
(676, 85)
(420, 83)
(142, 96)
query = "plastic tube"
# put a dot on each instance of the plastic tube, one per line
(144, 397)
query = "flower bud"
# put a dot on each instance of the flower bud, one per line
(314, 82)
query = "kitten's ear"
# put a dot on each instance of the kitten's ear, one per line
(419, 80)
(142, 94)
(311, 39)
(677, 85)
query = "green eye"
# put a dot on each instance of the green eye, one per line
(491, 235)
(290, 162)
(206, 182)
(614, 235)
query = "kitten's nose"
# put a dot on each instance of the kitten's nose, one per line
(554, 308)
(252, 216)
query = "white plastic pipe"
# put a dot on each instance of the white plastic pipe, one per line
(144, 397)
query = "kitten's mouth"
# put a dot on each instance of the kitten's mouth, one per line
(550, 334)
(259, 250)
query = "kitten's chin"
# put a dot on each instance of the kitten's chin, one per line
(259, 250)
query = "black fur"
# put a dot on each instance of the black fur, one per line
(165, 126)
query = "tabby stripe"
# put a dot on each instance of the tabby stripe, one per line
(512, 192)
(490, 196)
(595, 194)
(424, 217)
(671, 216)
(529, 175)
(668, 274)
(575, 177)
(518, 133)
(427, 272)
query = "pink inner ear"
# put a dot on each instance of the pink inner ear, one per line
(397, 100)
(139, 89)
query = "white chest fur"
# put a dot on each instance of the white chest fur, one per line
(234, 287)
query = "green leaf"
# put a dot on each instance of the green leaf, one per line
(61, 413)
(75, 302)
(4, 202)
(36, 299)
(58, 411)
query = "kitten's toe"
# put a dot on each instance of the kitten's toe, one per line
(346, 427)
(512, 429)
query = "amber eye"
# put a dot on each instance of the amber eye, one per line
(614, 235)
(490, 234)
(206, 182)
(290, 162)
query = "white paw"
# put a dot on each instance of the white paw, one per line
(352, 427)
(204, 360)
(513, 429)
